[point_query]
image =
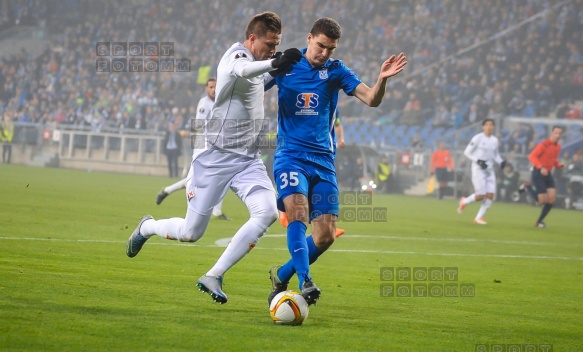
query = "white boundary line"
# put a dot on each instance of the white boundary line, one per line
(372, 251)
(484, 240)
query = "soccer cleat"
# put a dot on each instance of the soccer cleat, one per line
(136, 240)
(461, 206)
(540, 224)
(339, 232)
(283, 219)
(310, 292)
(213, 285)
(224, 217)
(161, 196)
(276, 285)
(480, 221)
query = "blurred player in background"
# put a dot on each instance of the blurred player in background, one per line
(231, 156)
(203, 111)
(483, 152)
(303, 168)
(544, 158)
(441, 164)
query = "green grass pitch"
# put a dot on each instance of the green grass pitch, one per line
(67, 285)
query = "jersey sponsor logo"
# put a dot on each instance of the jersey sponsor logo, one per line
(307, 102)
(323, 73)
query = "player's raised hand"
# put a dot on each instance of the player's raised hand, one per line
(393, 65)
(287, 58)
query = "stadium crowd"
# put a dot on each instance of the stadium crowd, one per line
(532, 71)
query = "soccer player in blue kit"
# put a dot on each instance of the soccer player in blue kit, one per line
(304, 158)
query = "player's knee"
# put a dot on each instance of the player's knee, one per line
(327, 241)
(191, 234)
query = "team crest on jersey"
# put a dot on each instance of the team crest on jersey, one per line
(251, 245)
(190, 195)
(323, 73)
(201, 110)
(240, 55)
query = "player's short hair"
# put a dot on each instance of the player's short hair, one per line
(557, 126)
(262, 23)
(212, 79)
(488, 120)
(327, 26)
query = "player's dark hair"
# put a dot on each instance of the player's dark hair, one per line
(488, 120)
(212, 79)
(557, 126)
(262, 23)
(327, 26)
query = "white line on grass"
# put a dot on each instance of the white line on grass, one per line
(485, 240)
(513, 256)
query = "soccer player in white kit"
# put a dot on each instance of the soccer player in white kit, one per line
(203, 112)
(483, 152)
(231, 158)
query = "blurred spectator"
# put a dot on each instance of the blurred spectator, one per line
(573, 113)
(508, 184)
(383, 174)
(6, 135)
(172, 144)
(442, 118)
(574, 178)
(356, 172)
(412, 111)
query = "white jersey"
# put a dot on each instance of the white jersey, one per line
(237, 116)
(203, 112)
(204, 107)
(485, 148)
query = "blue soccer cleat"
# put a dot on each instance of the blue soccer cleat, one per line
(136, 241)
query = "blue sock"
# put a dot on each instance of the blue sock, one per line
(298, 248)
(286, 272)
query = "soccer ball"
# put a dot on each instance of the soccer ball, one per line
(288, 308)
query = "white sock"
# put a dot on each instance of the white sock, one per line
(190, 229)
(469, 199)
(486, 203)
(263, 210)
(218, 209)
(165, 228)
(175, 186)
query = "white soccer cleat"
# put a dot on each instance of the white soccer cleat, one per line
(480, 221)
(461, 206)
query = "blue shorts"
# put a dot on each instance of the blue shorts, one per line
(310, 174)
(541, 183)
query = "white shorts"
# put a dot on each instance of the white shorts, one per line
(484, 181)
(215, 170)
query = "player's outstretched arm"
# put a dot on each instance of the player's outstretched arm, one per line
(373, 96)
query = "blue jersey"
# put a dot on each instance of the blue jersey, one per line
(307, 98)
